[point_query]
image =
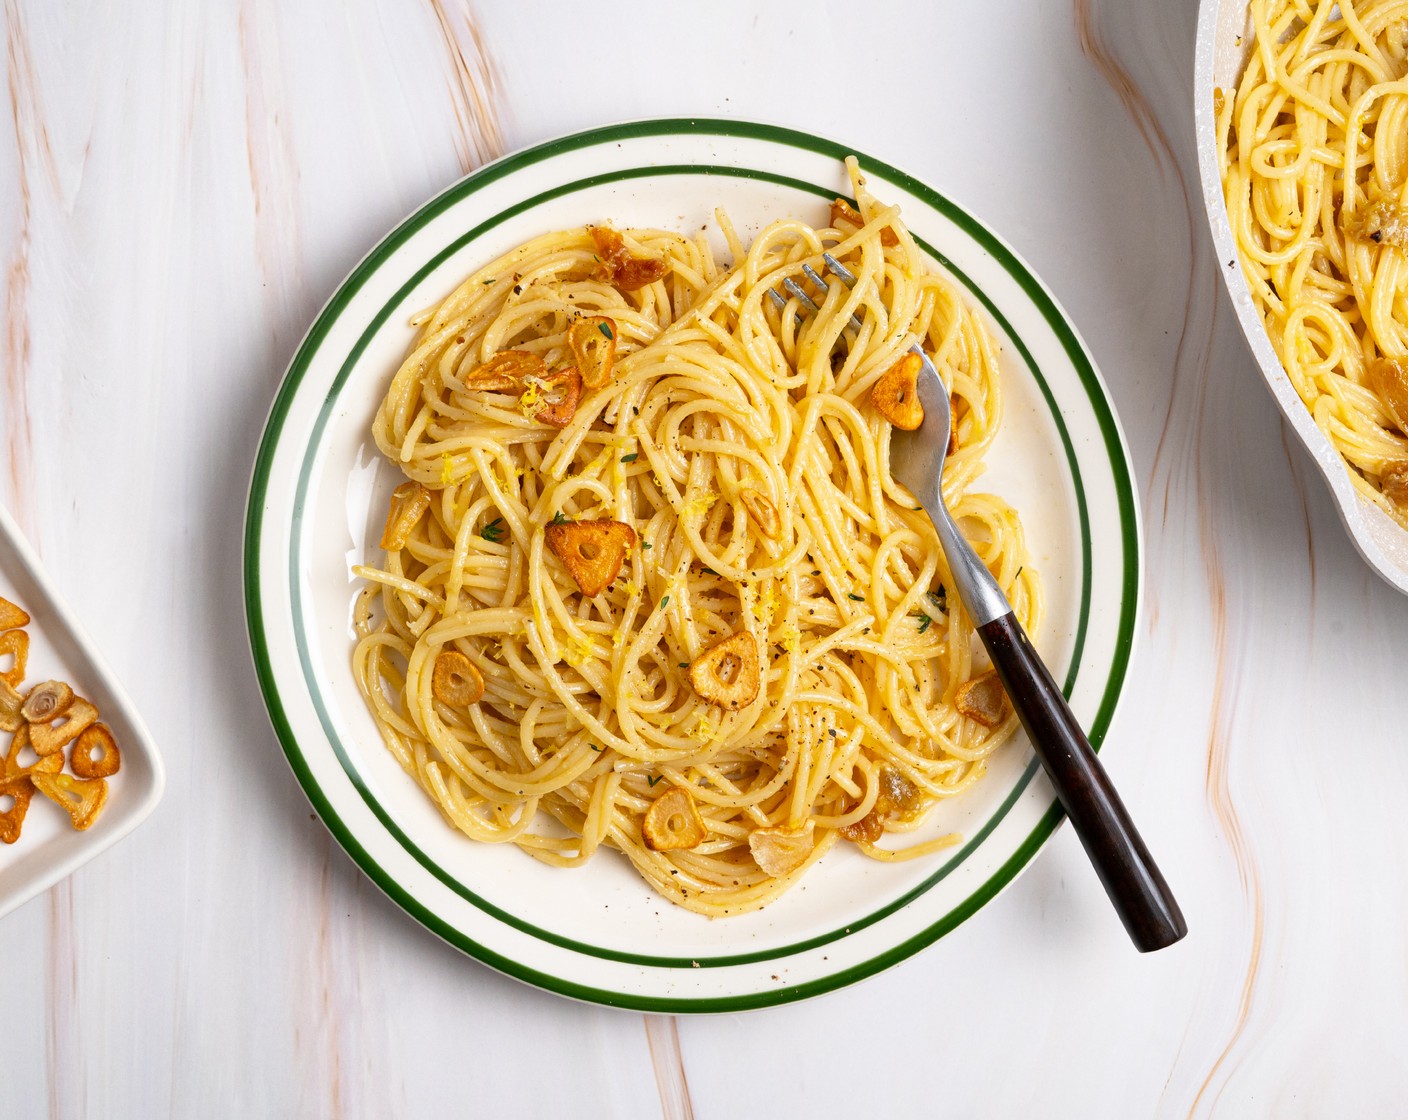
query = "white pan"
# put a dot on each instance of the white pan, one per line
(1224, 41)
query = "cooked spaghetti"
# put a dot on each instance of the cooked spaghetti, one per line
(686, 614)
(1314, 148)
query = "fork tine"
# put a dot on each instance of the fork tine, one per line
(815, 277)
(800, 292)
(845, 275)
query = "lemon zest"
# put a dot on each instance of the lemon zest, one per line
(578, 652)
(767, 603)
(531, 401)
(696, 508)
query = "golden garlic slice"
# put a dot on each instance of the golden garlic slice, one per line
(761, 510)
(727, 673)
(896, 394)
(82, 800)
(673, 822)
(409, 501)
(780, 851)
(591, 551)
(982, 699)
(456, 681)
(46, 702)
(593, 343)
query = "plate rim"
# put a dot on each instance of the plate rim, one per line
(1105, 423)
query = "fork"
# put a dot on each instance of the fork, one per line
(1131, 879)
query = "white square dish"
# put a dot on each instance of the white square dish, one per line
(49, 849)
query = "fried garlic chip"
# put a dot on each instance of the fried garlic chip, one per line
(14, 793)
(46, 702)
(727, 673)
(982, 699)
(505, 371)
(1384, 223)
(409, 501)
(867, 830)
(76, 718)
(673, 822)
(780, 851)
(15, 643)
(566, 386)
(82, 800)
(593, 343)
(625, 273)
(11, 701)
(12, 615)
(1389, 379)
(22, 760)
(895, 394)
(897, 793)
(95, 753)
(1394, 483)
(456, 682)
(761, 510)
(591, 551)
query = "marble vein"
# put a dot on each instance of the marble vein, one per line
(273, 165)
(473, 84)
(667, 1059)
(31, 144)
(1200, 283)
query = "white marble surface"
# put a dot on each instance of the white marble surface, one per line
(183, 184)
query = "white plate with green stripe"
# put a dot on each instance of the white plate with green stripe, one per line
(598, 933)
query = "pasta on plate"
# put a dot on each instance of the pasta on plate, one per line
(649, 585)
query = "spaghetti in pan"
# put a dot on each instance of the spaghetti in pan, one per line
(1314, 144)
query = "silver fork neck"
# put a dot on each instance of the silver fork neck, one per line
(982, 598)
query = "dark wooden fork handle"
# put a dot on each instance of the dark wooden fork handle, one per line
(1131, 879)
